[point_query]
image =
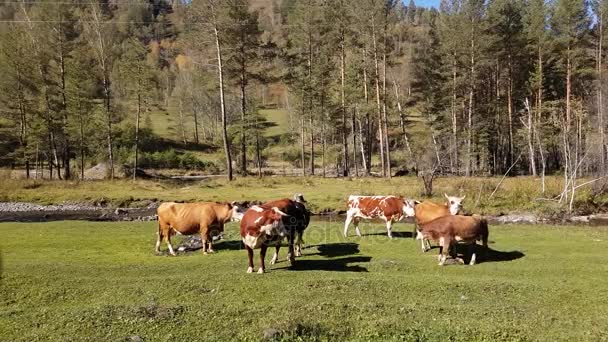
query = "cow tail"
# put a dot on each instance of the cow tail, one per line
(484, 232)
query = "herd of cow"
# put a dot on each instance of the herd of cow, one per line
(270, 223)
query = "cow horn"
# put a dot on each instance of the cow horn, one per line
(462, 198)
(446, 195)
(276, 210)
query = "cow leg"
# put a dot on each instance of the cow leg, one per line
(472, 248)
(445, 250)
(210, 242)
(168, 239)
(160, 237)
(204, 234)
(250, 259)
(356, 223)
(349, 218)
(275, 257)
(290, 253)
(389, 227)
(427, 245)
(298, 246)
(262, 268)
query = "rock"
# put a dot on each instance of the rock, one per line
(136, 338)
(271, 334)
(580, 219)
(120, 211)
(518, 218)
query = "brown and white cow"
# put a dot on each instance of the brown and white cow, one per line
(428, 211)
(260, 227)
(295, 223)
(388, 208)
(452, 229)
(204, 218)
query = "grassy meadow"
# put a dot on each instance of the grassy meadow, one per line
(89, 281)
(515, 194)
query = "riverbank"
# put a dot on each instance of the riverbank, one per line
(521, 196)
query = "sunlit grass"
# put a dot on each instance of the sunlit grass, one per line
(101, 281)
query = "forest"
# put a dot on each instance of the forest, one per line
(332, 88)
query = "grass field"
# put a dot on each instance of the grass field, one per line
(102, 282)
(517, 194)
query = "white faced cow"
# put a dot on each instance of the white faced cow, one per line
(428, 211)
(388, 208)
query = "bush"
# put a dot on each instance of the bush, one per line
(171, 159)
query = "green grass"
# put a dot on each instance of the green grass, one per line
(280, 117)
(101, 281)
(518, 194)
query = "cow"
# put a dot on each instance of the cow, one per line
(295, 223)
(204, 218)
(428, 211)
(452, 229)
(388, 208)
(260, 227)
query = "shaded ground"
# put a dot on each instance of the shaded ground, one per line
(101, 281)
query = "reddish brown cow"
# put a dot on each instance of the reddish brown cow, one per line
(452, 229)
(260, 227)
(388, 208)
(193, 218)
(428, 211)
(295, 223)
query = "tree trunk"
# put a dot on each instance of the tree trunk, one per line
(354, 130)
(402, 120)
(182, 125)
(109, 136)
(243, 113)
(510, 108)
(258, 154)
(343, 106)
(64, 107)
(600, 104)
(384, 116)
(222, 103)
(323, 146)
(302, 155)
(137, 116)
(368, 138)
(454, 118)
(470, 111)
(195, 116)
(81, 144)
(310, 106)
(378, 109)
(363, 156)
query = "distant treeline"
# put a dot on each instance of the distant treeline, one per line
(474, 87)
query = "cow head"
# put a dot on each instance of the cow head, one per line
(454, 203)
(236, 212)
(299, 198)
(409, 207)
(274, 222)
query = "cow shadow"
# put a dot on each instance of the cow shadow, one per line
(193, 243)
(399, 235)
(487, 254)
(332, 250)
(332, 265)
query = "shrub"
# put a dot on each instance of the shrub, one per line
(171, 159)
